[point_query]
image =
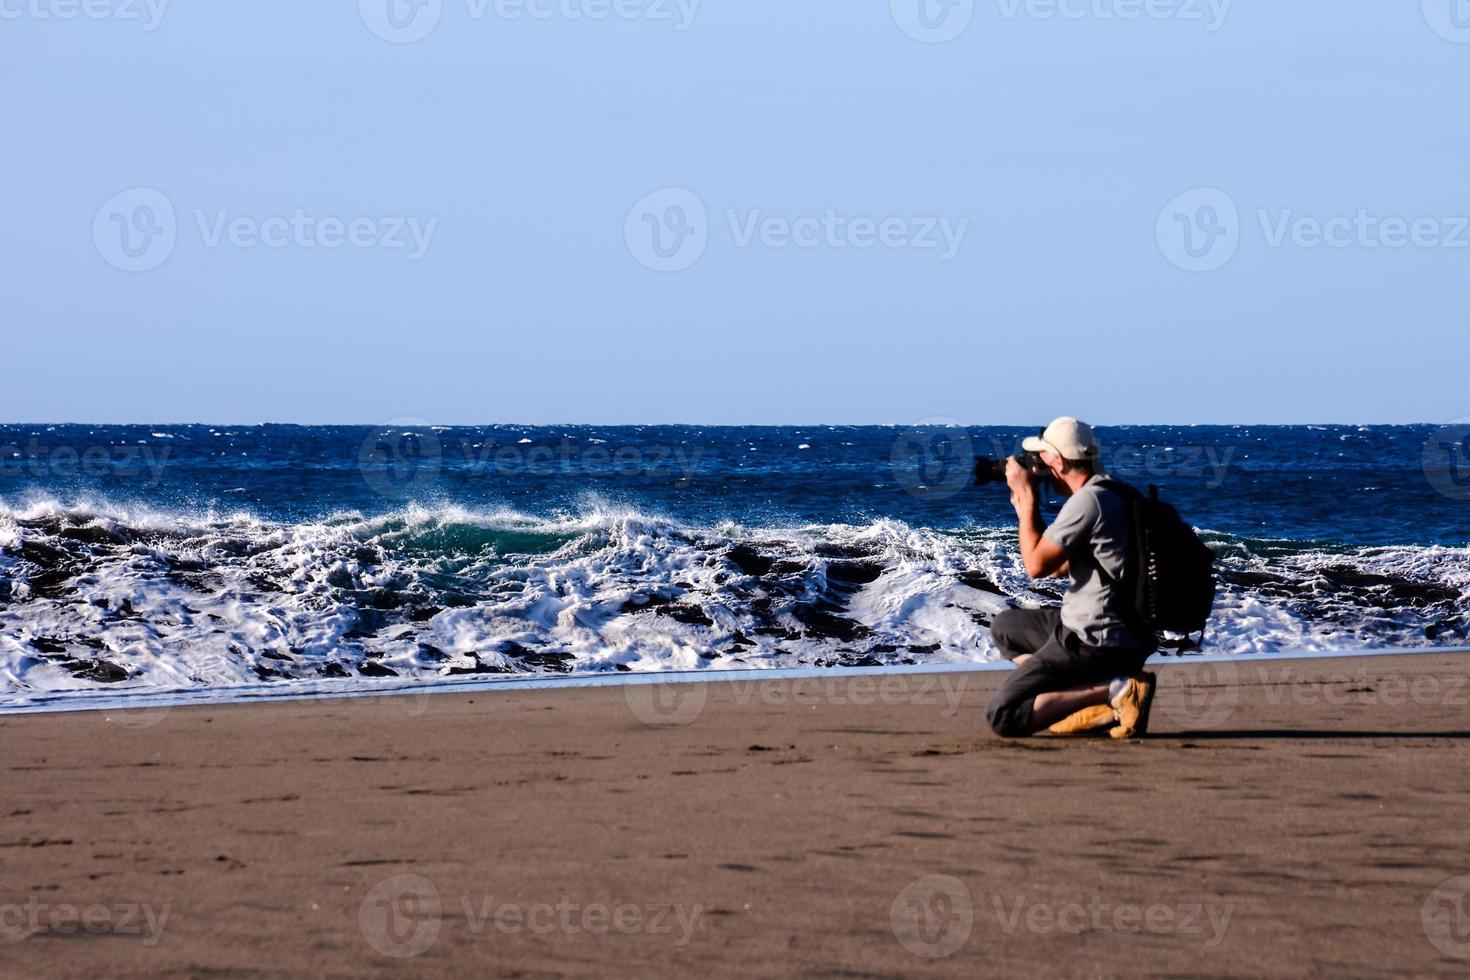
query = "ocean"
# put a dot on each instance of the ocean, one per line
(226, 559)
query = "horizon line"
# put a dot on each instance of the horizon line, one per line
(414, 423)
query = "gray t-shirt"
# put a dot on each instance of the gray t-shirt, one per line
(1093, 529)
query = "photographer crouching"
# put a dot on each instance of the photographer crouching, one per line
(1078, 667)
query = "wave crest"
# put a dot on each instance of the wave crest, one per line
(96, 594)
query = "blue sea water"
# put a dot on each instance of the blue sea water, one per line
(138, 558)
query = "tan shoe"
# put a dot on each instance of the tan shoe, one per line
(1132, 704)
(1086, 720)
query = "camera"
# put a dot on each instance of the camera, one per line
(989, 470)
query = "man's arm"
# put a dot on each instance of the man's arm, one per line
(1041, 555)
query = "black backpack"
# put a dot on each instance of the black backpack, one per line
(1170, 575)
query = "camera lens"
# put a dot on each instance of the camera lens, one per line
(989, 470)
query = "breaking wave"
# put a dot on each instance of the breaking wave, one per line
(96, 595)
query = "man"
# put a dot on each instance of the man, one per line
(1078, 667)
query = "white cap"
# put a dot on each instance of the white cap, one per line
(1068, 438)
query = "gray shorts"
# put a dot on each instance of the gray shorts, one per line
(1060, 661)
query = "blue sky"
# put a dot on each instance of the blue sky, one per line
(278, 211)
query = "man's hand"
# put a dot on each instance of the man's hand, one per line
(1041, 556)
(1023, 488)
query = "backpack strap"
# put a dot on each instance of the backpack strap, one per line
(1128, 494)
(1133, 566)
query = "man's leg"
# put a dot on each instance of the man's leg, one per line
(1053, 706)
(1049, 684)
(1033, 698)
(1018, 633)
(1125, 699)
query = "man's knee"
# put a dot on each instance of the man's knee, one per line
(1005, 632)
(1007, 718)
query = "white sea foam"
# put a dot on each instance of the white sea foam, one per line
(95, 595)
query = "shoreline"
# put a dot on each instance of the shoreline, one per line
(1302, 817)
(290, 691)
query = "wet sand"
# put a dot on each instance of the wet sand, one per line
(1284, 817)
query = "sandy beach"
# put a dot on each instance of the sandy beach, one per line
(1284, 817)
